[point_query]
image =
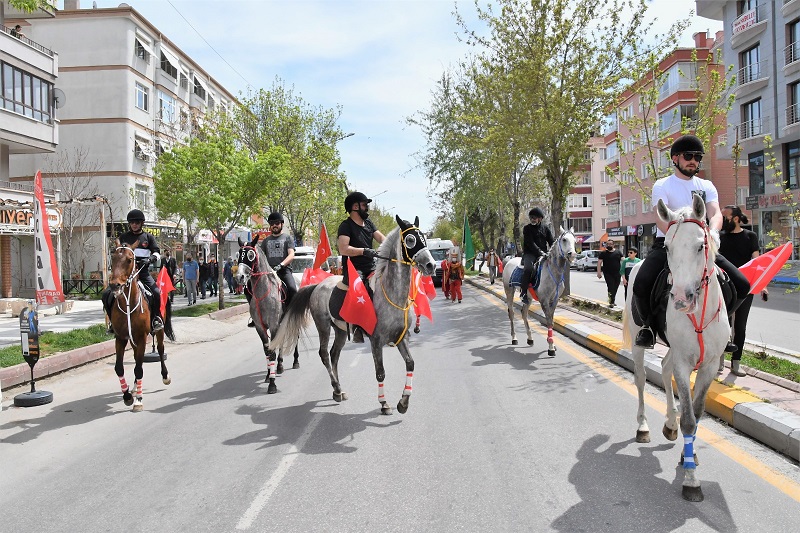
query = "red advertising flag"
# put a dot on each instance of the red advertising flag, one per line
(357, 307)
(760, 271)
(323, 248)
(165, 286)
(48, 282)
(312, 276)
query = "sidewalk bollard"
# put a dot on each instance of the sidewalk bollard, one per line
(29, 336)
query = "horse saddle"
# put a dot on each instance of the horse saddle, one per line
(337, 299)
(516, 275)
(659, 300)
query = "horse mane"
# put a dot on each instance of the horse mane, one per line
(390, 247)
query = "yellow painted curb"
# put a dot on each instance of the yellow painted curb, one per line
(611, 344)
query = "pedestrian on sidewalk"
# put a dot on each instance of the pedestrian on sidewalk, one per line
(627, 265)
(491, 261)
(608, 266)
(191, 272)
(456, 275)
(172, 267)
(202, 278)
(227, 273)
(213, 276)
(738, 245)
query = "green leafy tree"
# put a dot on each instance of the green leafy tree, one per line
(214, 182)
(30, 6)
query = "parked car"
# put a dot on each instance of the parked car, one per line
(304, 258)
(586, 260)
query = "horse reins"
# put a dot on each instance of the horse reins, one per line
(704, 282)
(257, 274)
(550, 270)
(129, 285)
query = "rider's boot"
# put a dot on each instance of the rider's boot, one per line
(358, 334)
(721, 368)
(736, 369)
(250, 323)
(731, 347)
(645, 337)
(158, 322)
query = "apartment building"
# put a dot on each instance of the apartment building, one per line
(764, 48)
(638, 160)
(586, 203)
(28, 125)
(131, 93)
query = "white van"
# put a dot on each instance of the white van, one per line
(439, 249)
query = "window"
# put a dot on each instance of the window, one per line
(184, 81)
(682, 117)
(756, 171)
(628, 208)
(602, 199)
(646, 205)
(166, 107)
(751, 115)
(601, 152)
(160, 148)
(141, 97)
(603, 223)
(581, 225)
(792, 52)
(184, 120)
(611, 151)
(25, 94)
(142, 196)
(749, 61)
(586, 179)
(645, 171)
(211, 102)
(679, 77)
(138, 151)
(587, 155)
(605, 177)
(141, 51)
(793, 165)
(168, 68)
(199, 90)
(577, 201)
(743, 6)
(794, 99)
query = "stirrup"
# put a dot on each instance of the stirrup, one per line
(731, 347)
(645, 338)
(250, 323)
(158, 324)
(110, 329)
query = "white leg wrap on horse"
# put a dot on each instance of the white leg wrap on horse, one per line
(271, 367)
(381, 397)
(123, 384)
(407, 390)
(139, 388)
(688, 453)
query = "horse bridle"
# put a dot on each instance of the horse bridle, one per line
(704, 282)
(127, 295)
(412, 245)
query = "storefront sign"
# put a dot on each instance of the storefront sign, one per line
(615, 232)
(161, 233)
(633, 230)
(751, 202)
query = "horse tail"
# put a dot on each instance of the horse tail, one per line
(293, 320)
(168, 331)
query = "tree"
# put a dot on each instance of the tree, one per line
(213, 181)
(29, 6)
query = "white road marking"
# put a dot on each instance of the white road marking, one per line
(354, 362)
(272, 483)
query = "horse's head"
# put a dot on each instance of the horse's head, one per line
(415, 246)
(123, 263)
(566, 244)
(248, 260)
(689, 255)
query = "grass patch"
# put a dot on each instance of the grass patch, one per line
(53, 343)
(596, 309)
(777, 366)
(206, 308)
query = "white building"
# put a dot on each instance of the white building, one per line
(28, 125)
(130, 93)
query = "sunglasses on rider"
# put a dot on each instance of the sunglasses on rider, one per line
(688, 156)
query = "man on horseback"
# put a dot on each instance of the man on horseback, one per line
(536, 239)
(279, 249)
(355, 236)
(146, 253)
(676, 192)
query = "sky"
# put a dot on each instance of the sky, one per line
(377, 59)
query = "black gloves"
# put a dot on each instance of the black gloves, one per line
(277, 268)
(153, 259)
(369, 253)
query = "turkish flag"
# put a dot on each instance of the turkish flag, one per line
(323, 248)
(165, 286)
(499, 266)
(421, 292)
(760, 271)
(357, 307)
(312, 276)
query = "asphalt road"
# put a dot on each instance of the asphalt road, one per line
(497, 438)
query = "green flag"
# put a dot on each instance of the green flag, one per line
(469, 248)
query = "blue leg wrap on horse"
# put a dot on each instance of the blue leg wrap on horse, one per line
(688, 453)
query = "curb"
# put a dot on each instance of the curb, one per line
(47, 366)
(744, 411)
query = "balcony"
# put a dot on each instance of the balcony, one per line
(751, 130)
(749, 25)
(791, 58)
(751, 78)
(790, 8)
(792, 118)
(32, 44)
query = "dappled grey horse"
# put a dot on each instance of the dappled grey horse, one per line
(266, 303)
(696, 327)
(404, 247)
(552, 271)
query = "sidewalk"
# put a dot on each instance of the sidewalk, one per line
(765, 407)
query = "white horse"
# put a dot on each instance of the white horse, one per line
(696, 327)
(555, 266)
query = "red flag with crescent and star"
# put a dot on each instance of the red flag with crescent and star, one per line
(421, 292)
(312, 276)
(165, 286)
(323, 248)
(357, 307)
(760, 271)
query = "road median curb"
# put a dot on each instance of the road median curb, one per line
(768, 424)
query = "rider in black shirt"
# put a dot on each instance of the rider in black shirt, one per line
(536, 240)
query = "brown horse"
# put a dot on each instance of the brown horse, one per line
(130, 317)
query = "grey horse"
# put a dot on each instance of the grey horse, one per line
(554, 268)
(405, 247)
(266, 307)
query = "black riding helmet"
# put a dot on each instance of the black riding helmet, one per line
(135, 215)
(275, 217)
(686, 144)
(354, 197)
(536, 212)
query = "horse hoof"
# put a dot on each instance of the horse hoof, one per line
(167, 380)
(402, 405)
(692, 494)
(386, 409)
(266, 379)
(514, 342)
(339, 396)
(138, 408)
(642, 436)
(551, 353)
(416, 329)
(279, 370)
(530, 342)
(272, 389)
(670, 434)
(295, 365)
(127, 397)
